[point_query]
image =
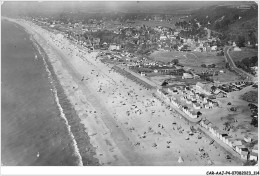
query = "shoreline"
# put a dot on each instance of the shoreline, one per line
(102, 100)
(71, 119)
(84, 148)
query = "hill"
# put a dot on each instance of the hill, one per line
(231, 21)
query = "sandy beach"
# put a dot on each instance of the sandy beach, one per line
(125, 123)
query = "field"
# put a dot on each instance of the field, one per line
(189, 58)
(246, 52)
(194, 60)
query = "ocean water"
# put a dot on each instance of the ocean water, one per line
(37, 121)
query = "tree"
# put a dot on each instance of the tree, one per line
(240, 41)
(254, 122)
(213, 88)
(175, 46)
(175, 61)
(203, 65)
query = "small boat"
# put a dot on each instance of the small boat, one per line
(38, 154)
(35, 56)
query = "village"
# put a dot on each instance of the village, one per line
(194, 90)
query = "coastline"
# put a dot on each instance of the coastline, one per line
(119, 139)
(83, 147)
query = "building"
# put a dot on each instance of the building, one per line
(222, 136)
(253, 156)
(237, 49)
(214, 48)
(255, 149)
(213, 130)
(143, 74)
(172, 90)
(205, 123)
(227, 139)
(196, 105)
(247, 138)
(244, 155)
(114, 47)
(188, 101)
(231, 143)
(240, 148)
(187, 76)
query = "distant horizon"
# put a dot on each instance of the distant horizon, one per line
(54, 7)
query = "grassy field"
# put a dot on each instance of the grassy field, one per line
(246, 52)
(189, 58)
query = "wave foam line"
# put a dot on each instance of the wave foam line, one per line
(54, 90)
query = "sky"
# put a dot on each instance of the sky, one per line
(50, 7)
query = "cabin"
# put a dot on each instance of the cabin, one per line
(214, 130)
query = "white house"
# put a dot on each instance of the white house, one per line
(214, 48)
(255, 149)
(237, 49)
(244, 155)
(253, 156)
(213, 130)
(143, 74)
(247, 138)
(196, 105)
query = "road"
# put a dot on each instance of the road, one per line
(234, 67)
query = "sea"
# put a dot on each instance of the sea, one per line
(39, 127)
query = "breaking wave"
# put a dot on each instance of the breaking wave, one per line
(55, 93)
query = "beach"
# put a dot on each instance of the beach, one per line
(125, 124)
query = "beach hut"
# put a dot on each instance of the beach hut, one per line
(214, 130)
(222, 135)
(239, 148)
(231, 143)
(180, 159)
(227, 139)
